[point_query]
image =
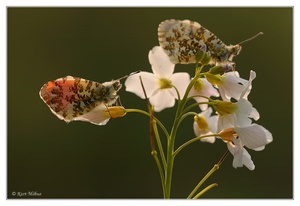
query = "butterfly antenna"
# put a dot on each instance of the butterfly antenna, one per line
(258, 34)
(128, 75)
(118, 102)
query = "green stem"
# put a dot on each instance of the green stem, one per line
(198, 95)
(191, 84)
(191, 141)
(215, 168)
(198, 69)
(147, 114)
(171, 140)
(177, 92)
(169, 169)
(160, 169)
(170, 150)
(205, 190)
(186, 115)
(155, 132)
(195, 105)
(160, 148)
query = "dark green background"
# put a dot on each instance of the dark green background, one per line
(81, 160)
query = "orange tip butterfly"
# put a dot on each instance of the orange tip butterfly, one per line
(181, 40)
(74, 98)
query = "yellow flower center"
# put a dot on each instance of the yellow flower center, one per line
(202, 123)
(165, 83)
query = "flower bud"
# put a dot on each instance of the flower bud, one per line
(227, 67)
(216, 70)
(220, 69)
(206, 58)
(203, 48)
(116, 111)
(200, 53)
(214, 79)
(224, 108)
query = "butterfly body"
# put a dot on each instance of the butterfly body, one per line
(181, 40)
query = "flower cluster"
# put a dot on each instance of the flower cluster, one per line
(229, 118)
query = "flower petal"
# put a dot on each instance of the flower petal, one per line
(244, 109)
(203, 107)
(160, 62)
(240, 157)
(247, 161)
(254, 114)
(223, 94)
(150, 82)
(207, 90)
(233, 86)
(180, 80)
(254, 136)
(237, 153)
(248, 88)
(208, 139)
(98, 116)
(161, 100)
(225, 121)
(259, 148)
(212, 126)
(207, 113)
(212, 123)
(199, 132)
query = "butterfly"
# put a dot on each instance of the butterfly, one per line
(181, 40)
(74, 98)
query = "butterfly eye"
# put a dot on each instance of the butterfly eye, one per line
(237, 50)
(117, 85)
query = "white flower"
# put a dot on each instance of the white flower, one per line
(243, 111)
(231, 86)
(204, 88)
(254, 137)
(159, 84)
(205, 124)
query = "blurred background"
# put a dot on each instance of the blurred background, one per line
(82, 160)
